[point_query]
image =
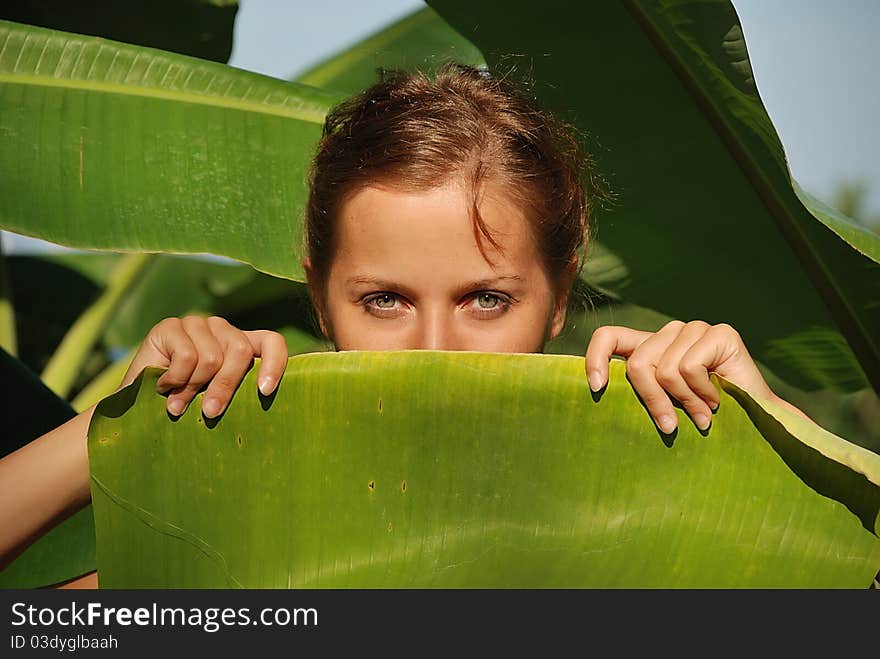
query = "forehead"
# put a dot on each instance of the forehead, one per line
(412, 233)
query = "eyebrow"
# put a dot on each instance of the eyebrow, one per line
(489, 282)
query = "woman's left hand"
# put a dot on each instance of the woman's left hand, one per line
(677, 359)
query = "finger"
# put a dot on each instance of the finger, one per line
(152, 351)
(691, 386)
(209, 359)
(641, 370)
(237, 359)
(169, 340)
(272, 350)
(606, 341)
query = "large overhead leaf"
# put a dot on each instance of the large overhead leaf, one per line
(433, 469)
(199, 28)
(421, 40)
(109, 146)
(706, 220)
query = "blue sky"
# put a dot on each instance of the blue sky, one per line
(814, 62)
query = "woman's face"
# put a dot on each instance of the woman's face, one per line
(407, 275)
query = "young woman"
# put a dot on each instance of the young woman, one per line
(445, 213)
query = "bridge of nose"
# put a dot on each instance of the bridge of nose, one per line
(435, 322)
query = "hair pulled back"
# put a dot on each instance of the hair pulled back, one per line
(413, 132)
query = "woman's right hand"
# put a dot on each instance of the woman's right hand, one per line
(199, 351)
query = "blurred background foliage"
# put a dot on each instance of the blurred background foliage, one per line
(850, 198)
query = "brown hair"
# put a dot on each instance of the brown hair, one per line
(416, 132)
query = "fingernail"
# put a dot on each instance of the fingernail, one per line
(702, 421)
(667, 423)
(211, 407)
(714, 406)
(267, 383)
(595, 381)
(176, 407)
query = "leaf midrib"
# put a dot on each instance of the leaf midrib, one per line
(301, 114)
(271, 96)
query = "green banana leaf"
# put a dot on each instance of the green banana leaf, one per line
(143, 150)
(707, 221)
(445, 469)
